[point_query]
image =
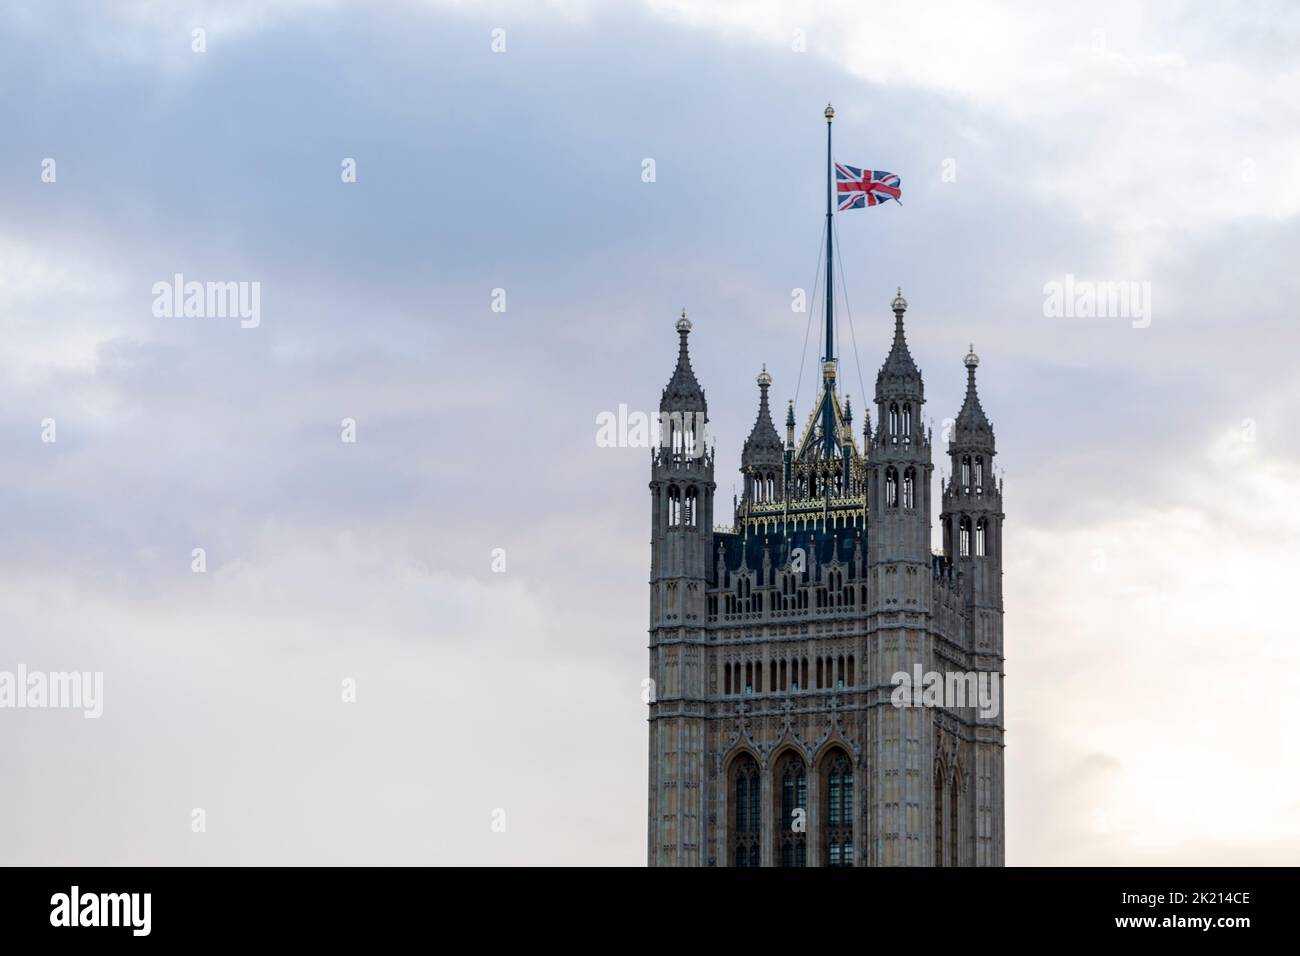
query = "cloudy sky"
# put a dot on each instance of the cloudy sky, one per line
(1151, 469)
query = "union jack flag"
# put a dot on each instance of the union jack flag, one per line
(858, 188)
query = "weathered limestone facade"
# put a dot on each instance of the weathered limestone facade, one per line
(773, 644)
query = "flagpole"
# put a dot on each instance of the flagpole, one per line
(828, 415)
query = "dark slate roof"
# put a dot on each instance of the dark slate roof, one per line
(819, 544)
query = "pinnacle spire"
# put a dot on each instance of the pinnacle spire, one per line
(899, 378)
(763, 446)
(972, 426)
(683, 392)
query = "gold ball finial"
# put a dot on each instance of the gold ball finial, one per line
(830, 112)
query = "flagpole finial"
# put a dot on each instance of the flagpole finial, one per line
(830, 113)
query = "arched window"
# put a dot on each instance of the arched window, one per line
(850, 670)
(837, 811)
(726, 679)
(893, 420)
(792, 797)
(980, 527)
(979, 474)
(938, 815)
(674, 506)
(954, 844)
(820, 679)
(891, 487)
(839, 671)
(907, 422)
(746, 820)
(692, 498)
(965, 473)
(963, 546)
(909, 488)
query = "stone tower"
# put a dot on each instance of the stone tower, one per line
(777, 733)
(681, 532)
(972, 534)
(898, 609)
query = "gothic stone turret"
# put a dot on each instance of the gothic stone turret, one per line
(972, 533)
(681, 533)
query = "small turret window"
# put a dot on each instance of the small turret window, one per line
(907, 422)
(692, 501)
(963, 547)
(674, 506)
(979, 474)
(909, 488)
(965, 473)
(893, 420)
(891, 488)
(980, 528)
